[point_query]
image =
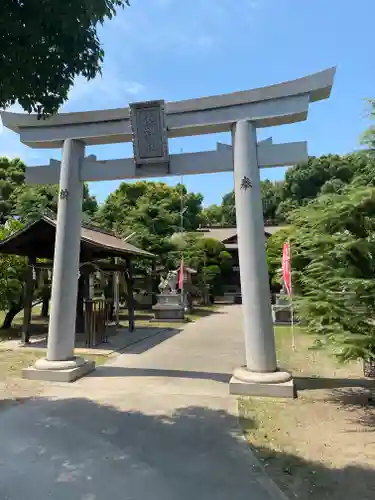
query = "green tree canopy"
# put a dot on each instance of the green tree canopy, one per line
(228, 206)
(365, 173)
(207, 256)
(271, 198)
(12, 176)
(12, 277)
(32, 201)
(154, 204)
(212, 215)
(27, 202)
(151, 210)
(368, 138)
(304, 182)
(45, 44)
(334, 245)
(225, 214)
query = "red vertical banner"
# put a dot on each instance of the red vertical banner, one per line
(181, 275)
(287, 275)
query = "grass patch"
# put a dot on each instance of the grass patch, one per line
(317, 447)
(14, 389)
(308, 361)
(12, 362)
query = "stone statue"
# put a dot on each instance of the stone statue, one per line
(168, 284)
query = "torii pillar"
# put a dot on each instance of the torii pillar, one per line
(60, 363)
(260, 376)
(148, 126)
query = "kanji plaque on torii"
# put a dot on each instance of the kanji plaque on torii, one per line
(150, 140)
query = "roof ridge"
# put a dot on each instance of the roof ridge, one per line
(85, 224)
(99, 229)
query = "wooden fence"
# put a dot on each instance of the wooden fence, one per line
(96, 314)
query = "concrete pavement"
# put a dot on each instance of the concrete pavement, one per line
(157, 421)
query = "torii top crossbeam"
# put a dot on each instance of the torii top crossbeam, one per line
(278, 104)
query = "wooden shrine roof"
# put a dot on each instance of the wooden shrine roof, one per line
(229, 234)
(38, 240)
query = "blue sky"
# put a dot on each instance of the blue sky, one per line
(178, 49)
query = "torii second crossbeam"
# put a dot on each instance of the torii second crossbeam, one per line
(205, 162)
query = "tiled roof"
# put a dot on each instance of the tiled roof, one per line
(225, 233)
(37, 236)
(108, 240)
(274, 229)
(218, 233)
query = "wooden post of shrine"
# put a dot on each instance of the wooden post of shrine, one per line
(130, 295)
(28, 300)
(116, 292)
(81, 295)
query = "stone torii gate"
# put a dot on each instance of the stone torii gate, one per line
(149, 125)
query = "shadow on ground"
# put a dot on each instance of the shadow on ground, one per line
(353, 394)
(140, 340)
(119, 371)
(310, 383)
(148, 315)
(149, 337)
(80, 449)
(354, 399)
(308, 480)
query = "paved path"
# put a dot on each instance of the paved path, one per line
(157, 422)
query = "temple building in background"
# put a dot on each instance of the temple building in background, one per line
(228, 236)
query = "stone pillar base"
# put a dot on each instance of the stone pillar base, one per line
(278, 384)
(58, 371)
(169, 313)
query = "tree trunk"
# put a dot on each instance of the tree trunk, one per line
(45, 307)
(10, 315)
